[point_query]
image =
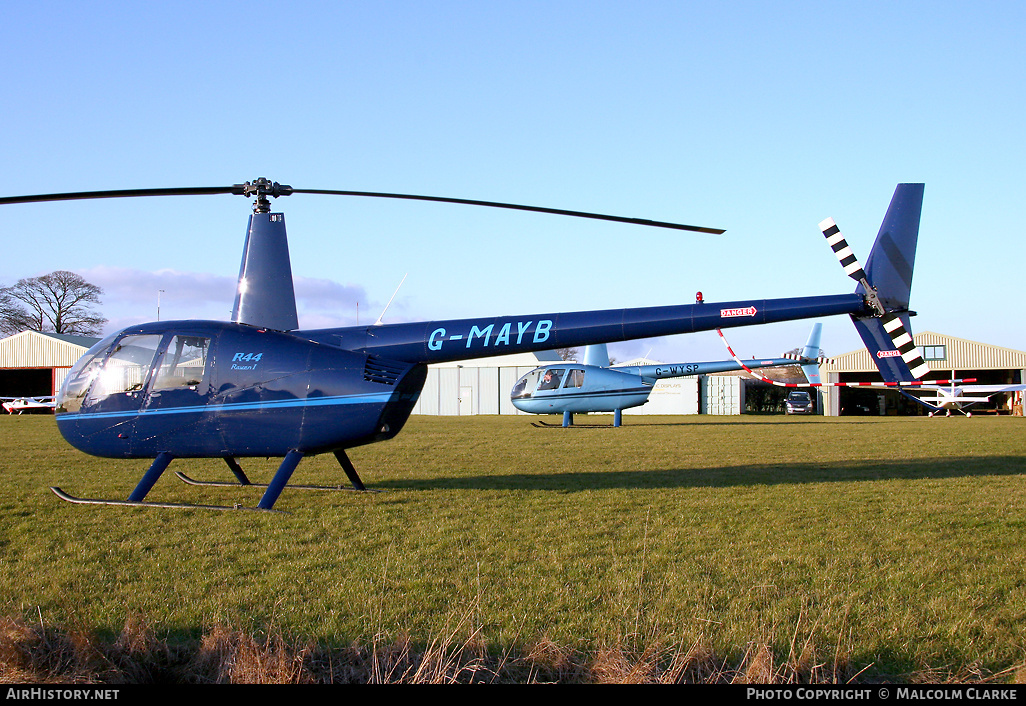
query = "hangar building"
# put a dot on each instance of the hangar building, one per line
(33, 364)
(947, 356)
(480, 386)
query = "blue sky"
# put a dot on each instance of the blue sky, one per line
(762, 118)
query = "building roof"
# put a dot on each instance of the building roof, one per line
(84, 341)
(959, 354)
(32, 349)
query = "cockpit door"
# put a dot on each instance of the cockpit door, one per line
(174, 413)
(180, 377)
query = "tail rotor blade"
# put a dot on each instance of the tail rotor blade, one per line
(844, 254)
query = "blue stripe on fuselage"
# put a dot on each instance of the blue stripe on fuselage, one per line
(378, 398)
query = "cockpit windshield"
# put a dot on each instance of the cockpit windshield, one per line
(98, 376)
(542, 379)
(81, 376)
(526, 385)
(118, 374)
(127, 367)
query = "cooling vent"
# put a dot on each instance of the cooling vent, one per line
(385, 372)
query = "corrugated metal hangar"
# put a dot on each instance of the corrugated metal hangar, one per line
(948, 357)
(33, 364)
(479, 386)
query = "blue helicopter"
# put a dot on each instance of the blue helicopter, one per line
(569, 387)
(257, 386)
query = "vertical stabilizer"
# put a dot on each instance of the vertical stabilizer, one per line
(811, 352)
(265, 296)
(888, 276)
(890, 263)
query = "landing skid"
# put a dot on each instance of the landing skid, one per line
(229, 484)
(545, 425)
(568, 421)
(139, 503)
(271, 490)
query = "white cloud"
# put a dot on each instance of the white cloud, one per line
(131, 297)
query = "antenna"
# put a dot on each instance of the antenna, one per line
(378, 322)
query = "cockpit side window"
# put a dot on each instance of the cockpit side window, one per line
(551, 378)
(183, 364)
(574, 379)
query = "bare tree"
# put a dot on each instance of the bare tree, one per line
(61, 302)
(567, 353)
(11, 315)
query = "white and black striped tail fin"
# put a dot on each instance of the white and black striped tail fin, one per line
(850, 263)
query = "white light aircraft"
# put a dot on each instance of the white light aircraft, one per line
(955, 398)
(27, 405)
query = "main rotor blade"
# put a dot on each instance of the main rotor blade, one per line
(122, 193)
(517, 207)
(263, 188)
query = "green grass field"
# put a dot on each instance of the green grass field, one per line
(832, 547)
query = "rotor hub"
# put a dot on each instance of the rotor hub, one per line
(262, 188)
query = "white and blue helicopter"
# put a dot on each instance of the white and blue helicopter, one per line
(569, 387)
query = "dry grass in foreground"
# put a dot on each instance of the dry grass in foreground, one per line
(45, 655)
